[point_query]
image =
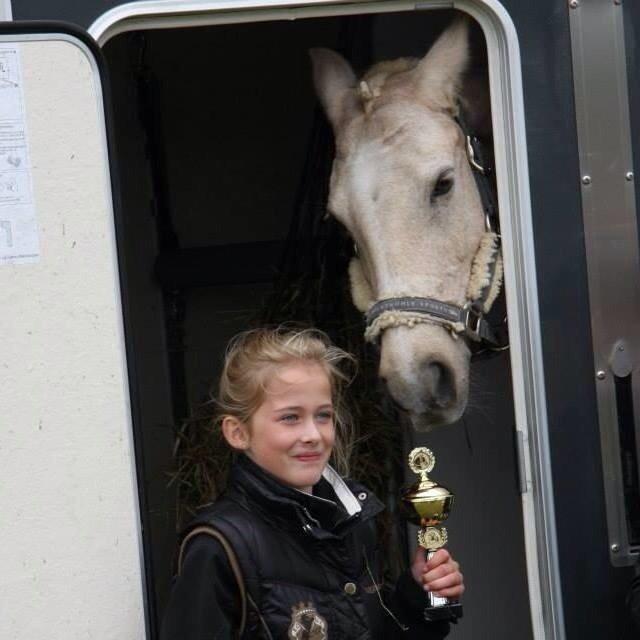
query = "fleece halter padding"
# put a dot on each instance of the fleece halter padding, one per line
(485, 280)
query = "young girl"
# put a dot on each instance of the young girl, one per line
(289, 550)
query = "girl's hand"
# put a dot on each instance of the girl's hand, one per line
(440, 575)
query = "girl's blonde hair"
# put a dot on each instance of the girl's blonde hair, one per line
(253, 355)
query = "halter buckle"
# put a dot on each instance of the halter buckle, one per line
(488, 224)
(471, 156)
(472, 320)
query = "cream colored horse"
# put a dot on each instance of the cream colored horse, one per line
(402, 185)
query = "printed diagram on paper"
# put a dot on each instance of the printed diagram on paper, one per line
(18, 225)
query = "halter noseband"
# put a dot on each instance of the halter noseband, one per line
(484, 283)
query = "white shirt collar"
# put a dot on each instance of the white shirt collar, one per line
(346, 497)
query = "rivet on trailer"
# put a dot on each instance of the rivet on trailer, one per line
(156, 160)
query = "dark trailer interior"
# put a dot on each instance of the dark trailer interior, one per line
(223, 156)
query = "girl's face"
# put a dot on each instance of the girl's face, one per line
(291, 434)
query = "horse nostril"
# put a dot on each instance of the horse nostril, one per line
(439, 382)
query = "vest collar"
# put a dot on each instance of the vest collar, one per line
(327, 513)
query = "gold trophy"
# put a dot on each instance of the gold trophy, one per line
(427, 504)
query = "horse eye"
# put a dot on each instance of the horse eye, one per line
(442, 186)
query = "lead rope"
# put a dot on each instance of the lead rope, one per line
(384, 606)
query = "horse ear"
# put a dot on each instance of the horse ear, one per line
(439, 73)
(335, 84)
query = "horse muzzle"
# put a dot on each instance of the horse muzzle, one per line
(426, 374)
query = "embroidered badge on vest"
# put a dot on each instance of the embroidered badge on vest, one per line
(307, 623)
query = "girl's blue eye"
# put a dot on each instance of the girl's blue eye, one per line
(292, 418)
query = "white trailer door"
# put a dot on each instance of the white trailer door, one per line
(70, 546)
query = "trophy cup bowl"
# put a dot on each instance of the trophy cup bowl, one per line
(427, 504)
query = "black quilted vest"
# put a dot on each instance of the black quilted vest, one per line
(302, 553)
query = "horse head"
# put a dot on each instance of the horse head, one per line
(402, 185)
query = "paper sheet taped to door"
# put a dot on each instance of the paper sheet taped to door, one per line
(19, 242)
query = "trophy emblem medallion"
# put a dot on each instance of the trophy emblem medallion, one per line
(432, 538)
(421, 460)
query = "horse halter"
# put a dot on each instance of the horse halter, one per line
(484, 285)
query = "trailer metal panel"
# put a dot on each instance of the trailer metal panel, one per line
(611, 237)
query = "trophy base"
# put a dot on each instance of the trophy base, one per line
(451, 612)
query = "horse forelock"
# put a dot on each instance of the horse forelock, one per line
(392, 80)
(383, 79)
(377, 75)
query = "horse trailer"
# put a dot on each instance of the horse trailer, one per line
(175, 152)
